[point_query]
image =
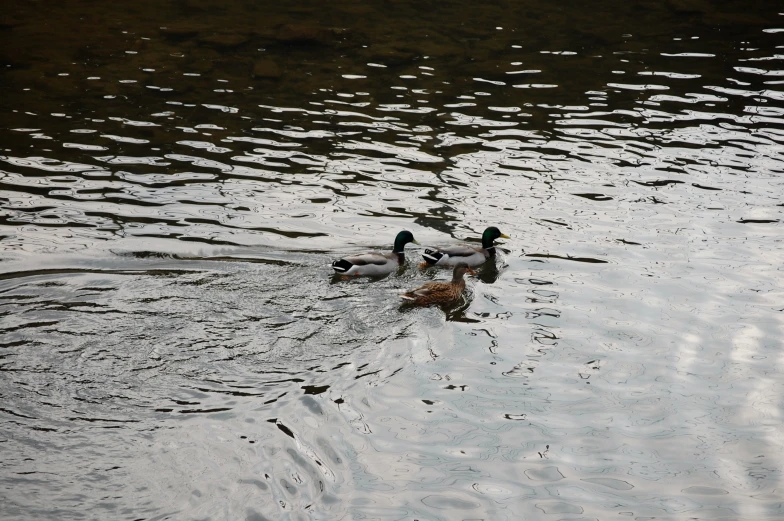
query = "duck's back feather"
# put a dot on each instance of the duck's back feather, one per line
(435, 293)
(365, 259)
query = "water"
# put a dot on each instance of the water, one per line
(176, 180)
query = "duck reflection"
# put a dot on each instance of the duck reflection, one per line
(489, 272)
(456, 312)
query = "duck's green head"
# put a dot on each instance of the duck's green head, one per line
(402, 239)
(491, 234)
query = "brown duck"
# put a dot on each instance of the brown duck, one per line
(440, 292)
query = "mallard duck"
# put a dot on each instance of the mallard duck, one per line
(471, 255)
(440, 292)
(375, 264)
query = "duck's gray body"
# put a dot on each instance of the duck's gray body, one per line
(471, 255)
(452, 255)
(375, 264)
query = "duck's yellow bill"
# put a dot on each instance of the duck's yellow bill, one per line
(505, 236)
(415, 241)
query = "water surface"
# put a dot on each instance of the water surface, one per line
(176, 179)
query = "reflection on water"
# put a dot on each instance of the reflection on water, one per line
(175, 180)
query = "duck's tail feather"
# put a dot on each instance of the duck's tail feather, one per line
(432, 256)
(341, 266)
(408, 296)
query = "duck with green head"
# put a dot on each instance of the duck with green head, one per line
(375, 264)
(471, 255)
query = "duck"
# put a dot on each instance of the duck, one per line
(471, 255)
(440, 292)
(375, 264)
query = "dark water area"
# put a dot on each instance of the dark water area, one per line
(175, 179)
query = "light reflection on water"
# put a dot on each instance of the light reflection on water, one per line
(173, 343)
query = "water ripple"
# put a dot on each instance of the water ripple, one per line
(172, 196)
